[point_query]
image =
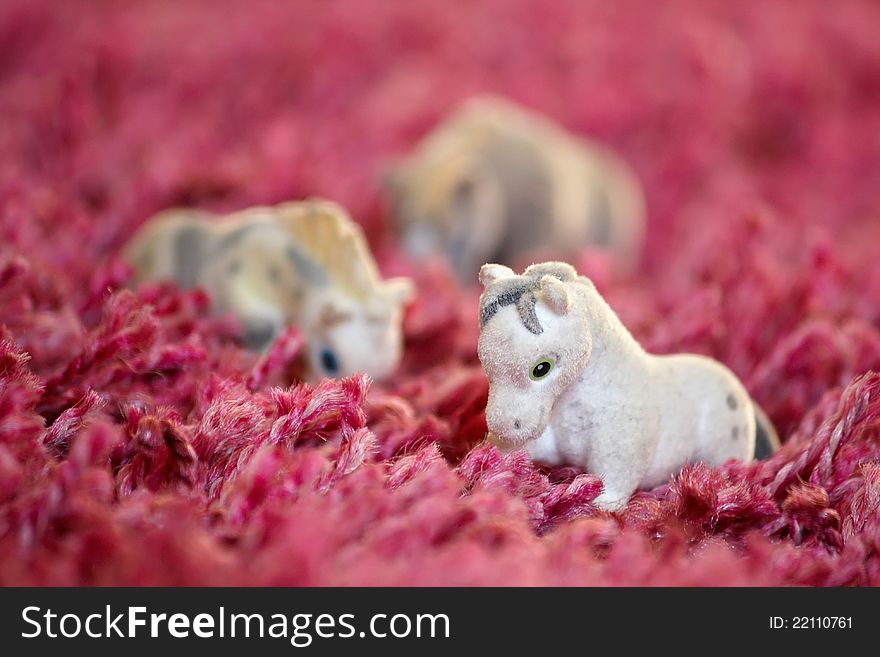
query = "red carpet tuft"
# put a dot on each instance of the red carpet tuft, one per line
(139, 445)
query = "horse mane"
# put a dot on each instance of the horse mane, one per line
(326, 235)
(522, 291)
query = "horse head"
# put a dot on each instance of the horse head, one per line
(535, 340)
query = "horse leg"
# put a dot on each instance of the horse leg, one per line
(616, 493)
(622, 459)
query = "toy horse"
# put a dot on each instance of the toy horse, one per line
(303, 263)
(570, 385)
(495, 181)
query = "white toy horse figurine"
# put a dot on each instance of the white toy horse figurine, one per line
(570, 385)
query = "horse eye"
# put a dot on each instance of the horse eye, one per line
(541, 369)
(274, 274)
(329, 361)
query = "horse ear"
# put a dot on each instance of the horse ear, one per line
(555, 295)
(491, 273)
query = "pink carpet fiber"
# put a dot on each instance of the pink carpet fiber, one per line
(140, 445)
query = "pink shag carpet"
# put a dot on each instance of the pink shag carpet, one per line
(140, 445)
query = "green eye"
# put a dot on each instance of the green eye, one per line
(541, 369)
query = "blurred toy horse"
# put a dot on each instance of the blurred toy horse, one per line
(570, 385)
(495, 181)
(305, 263)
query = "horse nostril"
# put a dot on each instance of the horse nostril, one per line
(516, 424)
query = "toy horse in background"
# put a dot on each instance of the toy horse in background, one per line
(495, 181)
(570, 385)
(303, 263)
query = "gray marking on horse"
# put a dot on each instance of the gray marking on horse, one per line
(766, 439)
(731, 402)
(307, 268)
(600, 216)
(520, 294)
(234, 237)
(521, 291)
(145, 260)
(189, 255)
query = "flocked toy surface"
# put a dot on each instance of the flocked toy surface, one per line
(303, 263)
(495, 181)
(570, 385)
